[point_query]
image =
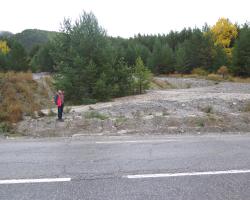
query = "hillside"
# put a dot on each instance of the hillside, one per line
(32, 37)
(20, 96)
(6, 34)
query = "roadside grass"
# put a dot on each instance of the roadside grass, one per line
(95, 114)
(210, 120)
(7, 130)
(5, 127)
(200, 122)
(120, 120)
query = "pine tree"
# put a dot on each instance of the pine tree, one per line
(82, 55)
(142, 76)
(241, 53)
(181, 60)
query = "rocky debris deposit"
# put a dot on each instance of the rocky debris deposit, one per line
(194, 106)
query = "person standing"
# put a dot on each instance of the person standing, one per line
(62, 100)
(59, 103)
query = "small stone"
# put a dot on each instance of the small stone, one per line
(91, 108)
(78, 117)
(122, 131)
(148, 117)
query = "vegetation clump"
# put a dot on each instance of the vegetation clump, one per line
(223, 71)
(200, 71)
(214, 77)
(5, 128)
(207, 109)
(18, 96)
(95, 114)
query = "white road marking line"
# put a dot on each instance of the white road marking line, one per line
(43, 180)
(186, 174)
(133, 141)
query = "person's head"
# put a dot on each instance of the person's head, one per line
(59, 92)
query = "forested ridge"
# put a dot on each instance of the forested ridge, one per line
(90, 65)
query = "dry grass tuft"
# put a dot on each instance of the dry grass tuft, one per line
(240, 80)
(207, 109)
(214, 77)
(18, 96)
(18, 77)
(160, 84)
(199, 71)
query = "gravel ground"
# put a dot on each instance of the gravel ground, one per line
(196, 105)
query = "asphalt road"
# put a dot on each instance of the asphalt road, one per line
(135, 167)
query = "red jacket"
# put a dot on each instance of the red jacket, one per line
(59, 101)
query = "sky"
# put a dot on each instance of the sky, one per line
(124, 18)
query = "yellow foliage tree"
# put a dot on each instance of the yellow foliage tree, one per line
(224, 32)
(4, 47)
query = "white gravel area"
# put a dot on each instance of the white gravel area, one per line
(195, 105)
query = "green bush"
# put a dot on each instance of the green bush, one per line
(5, 127)
(95, 114)
(120, 120)
(200, 123)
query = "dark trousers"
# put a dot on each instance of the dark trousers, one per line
(60, 111)
(62, 107)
